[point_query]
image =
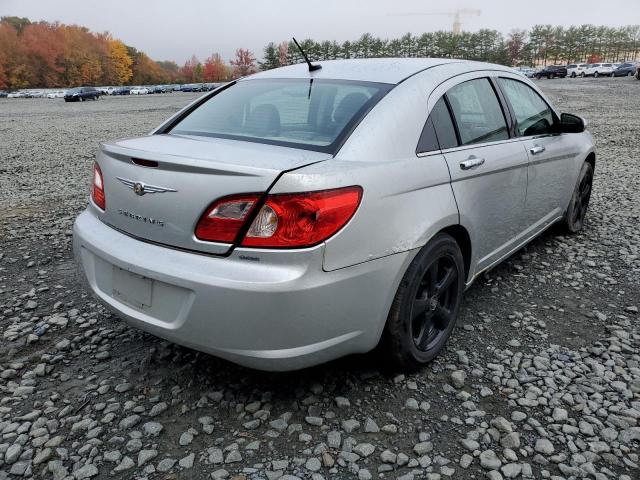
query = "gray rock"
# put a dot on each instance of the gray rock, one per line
(489, 460)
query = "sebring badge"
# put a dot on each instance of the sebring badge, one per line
(140, 188)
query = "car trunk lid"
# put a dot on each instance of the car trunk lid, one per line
(157, 187)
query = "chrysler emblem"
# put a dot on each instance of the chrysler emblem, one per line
(140, 188)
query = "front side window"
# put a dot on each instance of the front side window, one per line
(533, 115)
(301, 113)
(477, 112)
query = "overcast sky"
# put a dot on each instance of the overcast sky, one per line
(176, 29)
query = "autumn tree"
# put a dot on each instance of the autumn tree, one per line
(188, 70)
(146, 71)
(214, 69)
(119, 65)
(244, 64)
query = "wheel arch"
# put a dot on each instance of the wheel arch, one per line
(463, 239)
(591, 159)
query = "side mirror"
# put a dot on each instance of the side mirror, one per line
(571, 123)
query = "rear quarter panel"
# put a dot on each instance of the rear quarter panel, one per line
(406, 199)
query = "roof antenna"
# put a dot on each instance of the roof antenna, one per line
(312, 67)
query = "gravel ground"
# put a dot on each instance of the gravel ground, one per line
(541, 379)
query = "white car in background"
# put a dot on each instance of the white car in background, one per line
(16, 95)
(139, 91)
(598, 69)
(56, 94)
(576, 69)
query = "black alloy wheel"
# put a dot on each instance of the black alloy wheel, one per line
(435, 299)
(426, 305)
(577, 210)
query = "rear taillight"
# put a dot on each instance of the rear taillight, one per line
(97, 190)
(294, 220)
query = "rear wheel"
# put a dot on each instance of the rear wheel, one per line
(426, 305)
(582, 75)
(577, 210)
(573, 74)
(596, 75)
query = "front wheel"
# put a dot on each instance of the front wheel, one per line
(577, 209)
(426, 305)
(582, 74)
(596, 75)
(573, 74)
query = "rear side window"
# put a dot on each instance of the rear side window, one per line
(533, 115)
(439, 132)
(477, 112)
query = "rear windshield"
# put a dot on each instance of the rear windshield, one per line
(300, 113)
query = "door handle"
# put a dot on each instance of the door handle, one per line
(536, 149)
(471, 162)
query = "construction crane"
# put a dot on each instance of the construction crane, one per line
(456, 14)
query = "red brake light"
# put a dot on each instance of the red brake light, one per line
(292, 220)
(97, 190)
(299, 220)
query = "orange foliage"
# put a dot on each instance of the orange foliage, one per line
(215, 70)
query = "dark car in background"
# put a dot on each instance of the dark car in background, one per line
(193, 87)
(122, 91)
(3, 94)
(627, 69)
(552, 71)
(80, 94)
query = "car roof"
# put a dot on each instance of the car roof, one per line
(382, 70)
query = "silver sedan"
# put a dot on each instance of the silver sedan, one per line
(298, 215)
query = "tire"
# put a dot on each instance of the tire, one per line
(573, 74)
(579, 204)
(538, 76)
(582, 75)
(629, 74)
(414, 339)
(596, 75)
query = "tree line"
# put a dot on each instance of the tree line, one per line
(44, 54)
(542, 45)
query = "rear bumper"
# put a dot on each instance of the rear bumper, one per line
(263, 309)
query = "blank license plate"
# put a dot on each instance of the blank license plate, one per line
(132, 288)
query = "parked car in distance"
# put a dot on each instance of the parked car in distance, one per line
(627, 69)
(296, 232)
(3, 94)
(528, 72)
(80, 94)
(122, 91)
(34, 94)
(56, 94)
(552, 71)
(139, 91)
(192, 87)
(18, 94)
(575, 69)
(598, 69)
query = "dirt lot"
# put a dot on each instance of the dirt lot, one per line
(540, 380)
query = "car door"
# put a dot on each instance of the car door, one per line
(488, 170)
(550, 169)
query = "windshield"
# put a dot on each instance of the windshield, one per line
(300, 113)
